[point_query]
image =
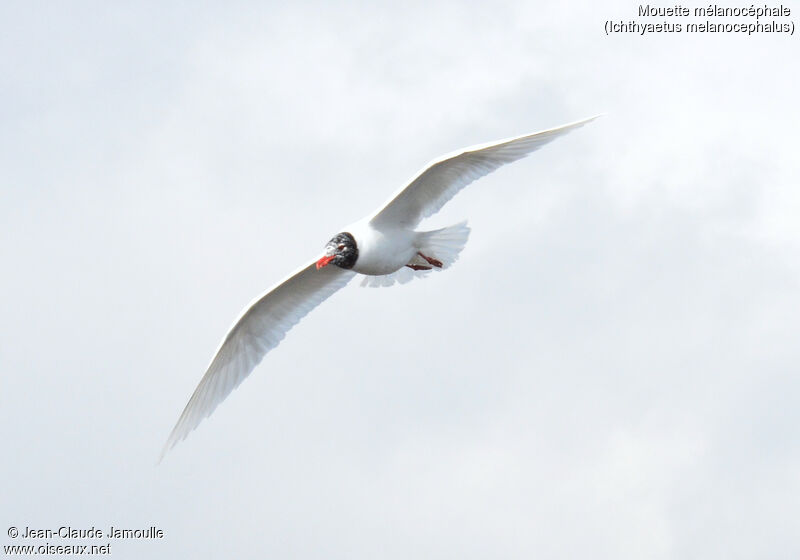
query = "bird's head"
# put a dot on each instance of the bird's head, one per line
(342, 251)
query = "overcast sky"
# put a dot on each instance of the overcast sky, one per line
(610, 371)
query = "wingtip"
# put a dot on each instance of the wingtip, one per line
(171, 442)
(164, 451)
(175, 437)
(589, 119)
(572, 125)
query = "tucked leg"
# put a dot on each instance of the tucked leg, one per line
(434, 262)
(418, 267)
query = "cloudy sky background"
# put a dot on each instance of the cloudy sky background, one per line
(610, 370)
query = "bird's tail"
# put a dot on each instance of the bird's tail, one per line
(444, 244)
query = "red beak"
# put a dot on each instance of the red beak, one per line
(324, 261)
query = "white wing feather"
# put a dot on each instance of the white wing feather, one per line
(443, 178)
(259, 329)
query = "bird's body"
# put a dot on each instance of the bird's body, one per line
(382, 250)
(385, 247)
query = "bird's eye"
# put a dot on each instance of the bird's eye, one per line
(340, 247)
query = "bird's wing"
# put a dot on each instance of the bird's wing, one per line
(259, 329)
(446, 176)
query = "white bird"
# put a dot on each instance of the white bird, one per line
(384, 247)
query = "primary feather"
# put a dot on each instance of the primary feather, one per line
(258, 330)
(443, 178)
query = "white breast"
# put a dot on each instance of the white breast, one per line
(382, 251)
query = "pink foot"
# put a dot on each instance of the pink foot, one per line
(434, 262)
